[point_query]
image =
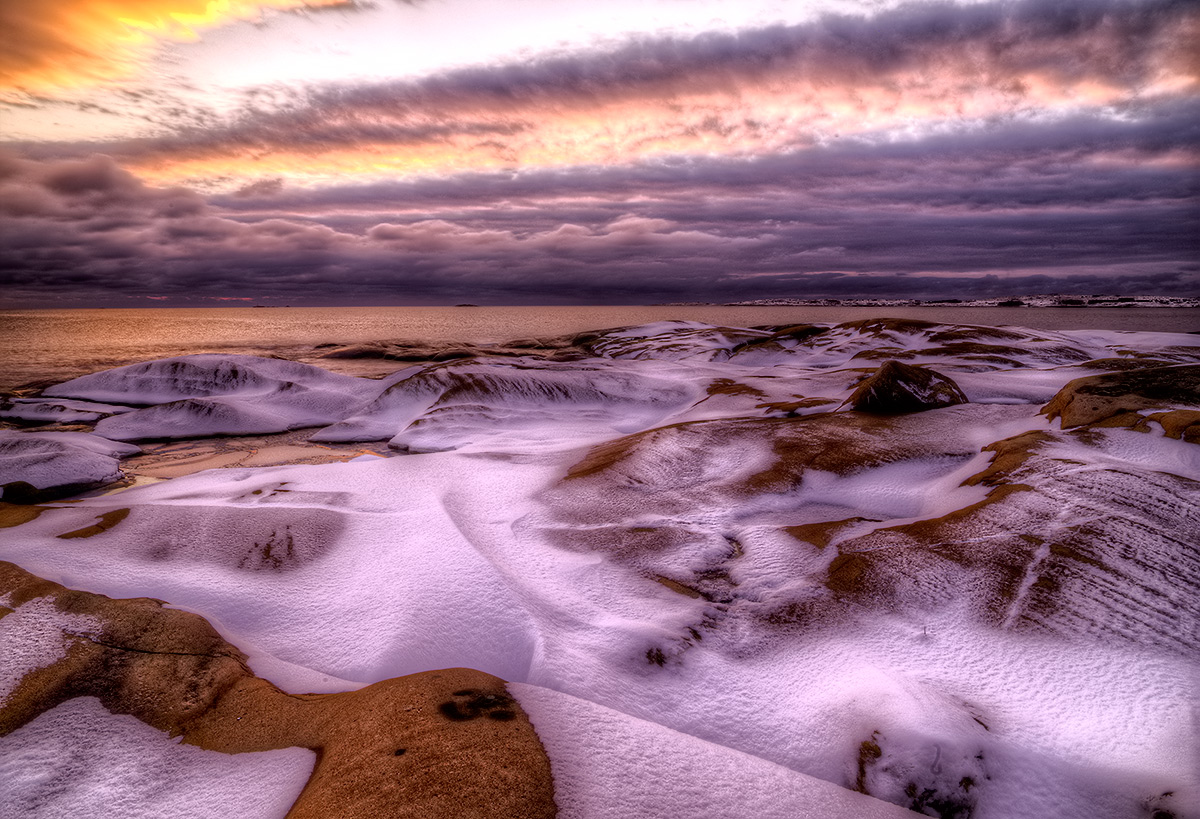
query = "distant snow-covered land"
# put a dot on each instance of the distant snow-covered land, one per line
(873, 569)
(1036, 300)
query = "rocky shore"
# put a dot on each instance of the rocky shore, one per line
(854, 570)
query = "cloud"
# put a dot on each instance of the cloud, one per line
(1075, 172)
(907, 71)
(1092, 206)
(66, 43)
(92, 190)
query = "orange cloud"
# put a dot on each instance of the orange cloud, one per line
(68, 43)
(784, 114)
(899, 76)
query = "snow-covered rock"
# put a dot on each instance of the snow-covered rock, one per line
(193, 396)
(38, 465)
(80, 760)
(58, 411)
(450, 405)
(699, 571)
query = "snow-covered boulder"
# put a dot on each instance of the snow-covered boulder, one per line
(198, 395)
(57, 411)
(1100, 398)
(453, 404)
(40, 465)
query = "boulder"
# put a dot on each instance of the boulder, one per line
(896, 388)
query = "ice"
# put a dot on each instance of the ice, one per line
(79, 760)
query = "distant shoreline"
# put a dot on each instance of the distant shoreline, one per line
(1056, 301)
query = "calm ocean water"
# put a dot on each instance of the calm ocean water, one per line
(58, 344)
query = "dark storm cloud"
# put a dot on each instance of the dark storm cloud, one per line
(1099, 207)
(1069, 163)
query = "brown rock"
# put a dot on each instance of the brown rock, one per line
(1097, 398)
(898, 388)
(449, 743)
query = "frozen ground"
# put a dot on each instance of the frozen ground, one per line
(715, 587)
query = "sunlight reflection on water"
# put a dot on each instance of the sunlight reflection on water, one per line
(59, 344)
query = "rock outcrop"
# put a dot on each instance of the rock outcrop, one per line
(897, 388)
(449, 743)
(1119, 398)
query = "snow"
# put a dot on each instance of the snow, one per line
(358, 571)
(451, 405)
(678, 650)
(62, 411)
(79, 760)
(608, 764)
(34, 635)
(50, 459)
(191, 396)
(200, 376)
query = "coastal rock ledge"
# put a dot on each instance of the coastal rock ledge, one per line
(447, 743)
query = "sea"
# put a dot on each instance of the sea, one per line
(40, 346)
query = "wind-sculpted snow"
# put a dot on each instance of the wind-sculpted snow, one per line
(446, 406)
(34, 464)
(200, 395)
(714, 583)
(963, 347)
(62, 410)
(198, 376)
(78, 759)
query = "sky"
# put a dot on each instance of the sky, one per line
(341, 152)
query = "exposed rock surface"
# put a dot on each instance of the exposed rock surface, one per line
(451, 743)
(1118, 398)
(897, 388)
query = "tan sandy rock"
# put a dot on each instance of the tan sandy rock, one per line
(1097, 398)
(450, 743)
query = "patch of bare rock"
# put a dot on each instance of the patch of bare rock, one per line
(448, 743)
(897, 388)
(1123, 398)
